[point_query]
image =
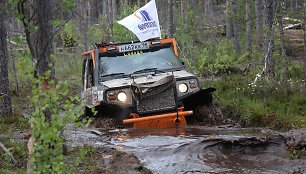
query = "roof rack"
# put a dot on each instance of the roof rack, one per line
(104, 44)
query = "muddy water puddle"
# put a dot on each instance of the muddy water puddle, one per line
(204, 150)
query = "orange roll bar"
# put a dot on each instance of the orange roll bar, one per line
(92, 54)
(171, 40)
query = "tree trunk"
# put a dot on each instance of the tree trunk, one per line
(114, 7)
(208, 7)
(304, 27)
(110, 10)
(121, 6)
(248, 26)
(237, 30)
(110, 21)
(14, 70)
(282, 44)
(294, 5)
(259, 21)
(192, 4)
(281, 30)
(182, 12)
(96, 11)
(83, 9)
(170, 25)
(42, 38)
(105, 9)
(269, 45)
(5, 97)
(229, 24)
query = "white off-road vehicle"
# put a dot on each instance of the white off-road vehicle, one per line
(144, 83)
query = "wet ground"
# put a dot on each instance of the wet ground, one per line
(197, 150)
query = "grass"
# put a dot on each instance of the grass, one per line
(274, 105)
(86, 158)
(12, 123)
(297, 154)
(18, 150)
(68, 64)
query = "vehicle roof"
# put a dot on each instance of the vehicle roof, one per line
(106, 47)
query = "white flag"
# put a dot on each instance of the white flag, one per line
(143, 22)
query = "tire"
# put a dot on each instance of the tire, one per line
(87, 114)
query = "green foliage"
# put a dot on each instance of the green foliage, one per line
(297, 154)
(68, 65)
(69, 34)
(99, 32)
(278, 104)
(69, 4)
(53, 110)
(275, 105)
(24, 68)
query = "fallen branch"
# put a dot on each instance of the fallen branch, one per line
(14, 161)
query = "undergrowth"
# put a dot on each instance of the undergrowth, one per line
(18, 150)
(276, 105)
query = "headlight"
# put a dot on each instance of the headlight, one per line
(121, 96)
(183, 88)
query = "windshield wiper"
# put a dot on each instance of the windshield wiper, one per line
(112, 74)
(145, 70)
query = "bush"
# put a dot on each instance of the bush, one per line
(53, 110)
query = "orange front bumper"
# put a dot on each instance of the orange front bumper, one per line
(168, 120)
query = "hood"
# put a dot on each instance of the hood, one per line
(145, 79)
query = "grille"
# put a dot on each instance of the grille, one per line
(161, 101)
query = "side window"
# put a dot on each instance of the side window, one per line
(87, 73)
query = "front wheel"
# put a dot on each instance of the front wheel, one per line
(208, 115)
(87, 114)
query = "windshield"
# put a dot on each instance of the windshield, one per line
(161, 59)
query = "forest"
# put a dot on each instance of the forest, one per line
(252, 51)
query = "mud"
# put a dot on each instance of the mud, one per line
(195, 149)
(109, 161)
(295, 139)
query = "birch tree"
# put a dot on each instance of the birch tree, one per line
(5, 97)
